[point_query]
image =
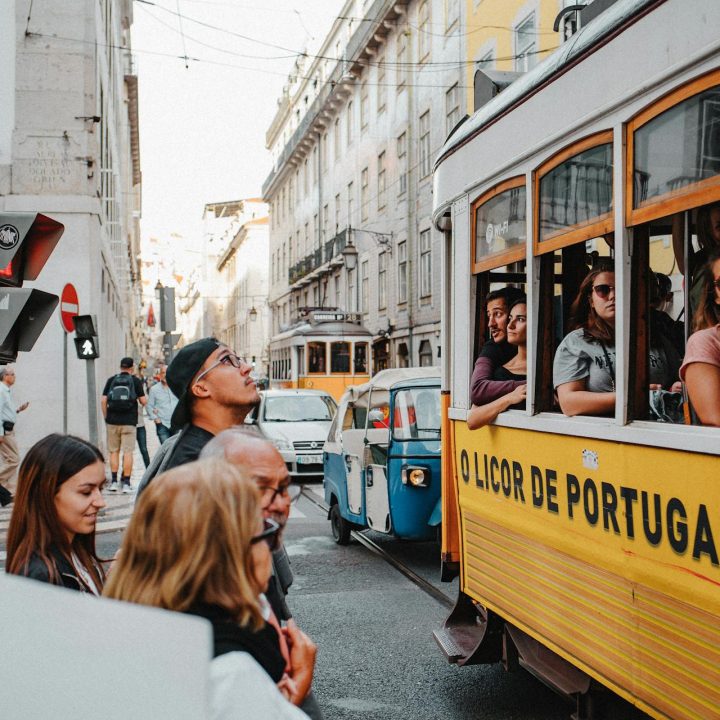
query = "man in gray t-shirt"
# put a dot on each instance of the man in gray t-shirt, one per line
(580, 359)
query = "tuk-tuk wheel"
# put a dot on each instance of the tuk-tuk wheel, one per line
(340, 526)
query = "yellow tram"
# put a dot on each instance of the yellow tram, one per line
(327, 350)
(587, 547)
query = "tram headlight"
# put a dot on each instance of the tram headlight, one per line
(415, 476)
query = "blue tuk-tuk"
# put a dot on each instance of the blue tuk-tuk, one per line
(382, 456)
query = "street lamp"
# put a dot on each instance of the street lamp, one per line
(252, 314)
(350, 256)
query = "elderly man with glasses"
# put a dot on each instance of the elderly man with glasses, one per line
(215, 392)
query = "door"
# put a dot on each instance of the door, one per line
(377, 506)
(354, 483)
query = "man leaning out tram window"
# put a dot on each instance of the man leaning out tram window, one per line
(497, 351)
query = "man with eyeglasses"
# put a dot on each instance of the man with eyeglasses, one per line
(215, 391)
(261, 460)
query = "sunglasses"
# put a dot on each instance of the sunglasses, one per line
(603, 291)
(229, 359)
(287, 492)
(270, 534)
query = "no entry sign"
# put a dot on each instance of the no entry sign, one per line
(69, 307)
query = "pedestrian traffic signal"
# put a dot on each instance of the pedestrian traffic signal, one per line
(85, 326)
(86, 348)
(26, 242)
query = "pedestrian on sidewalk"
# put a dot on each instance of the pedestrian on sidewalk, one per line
(51, 537)
(215, 391)
(9, 456)
(161, 405)
(119, 404)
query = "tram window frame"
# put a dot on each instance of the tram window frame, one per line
(504, 257)
(363, 346)
(322, 371)
(335, 355)
(685, 198)
(603, 225)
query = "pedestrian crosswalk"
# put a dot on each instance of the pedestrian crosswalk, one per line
(316, 489)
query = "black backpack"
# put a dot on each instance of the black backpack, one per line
(121, 395)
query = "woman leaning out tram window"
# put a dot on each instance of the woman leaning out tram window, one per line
(584, 365)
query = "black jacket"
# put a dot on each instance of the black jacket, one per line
(36, 569)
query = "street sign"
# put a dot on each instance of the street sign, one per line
(69, 307)
(86, 348)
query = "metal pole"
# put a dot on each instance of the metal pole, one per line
(92, 401)
(65, 383)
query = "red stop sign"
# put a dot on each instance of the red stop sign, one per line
(69, 307)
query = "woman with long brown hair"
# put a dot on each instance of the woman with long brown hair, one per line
(197, 543)
(52, 529)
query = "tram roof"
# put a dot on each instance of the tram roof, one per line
(386, 379)
(341, 329)
(563, 58)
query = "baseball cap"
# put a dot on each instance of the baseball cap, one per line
(127, 362)
(184, 367)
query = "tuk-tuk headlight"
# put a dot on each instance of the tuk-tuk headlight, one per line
(415, 476)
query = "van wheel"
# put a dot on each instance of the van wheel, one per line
(340, 526)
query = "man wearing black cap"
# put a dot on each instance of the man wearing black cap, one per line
(214, 391)
(119, 405)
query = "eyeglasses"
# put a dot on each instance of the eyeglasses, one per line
(288, 492)
(270, 534)
(229, 359)
(603, 291)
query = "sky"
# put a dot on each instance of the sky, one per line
(203, 121)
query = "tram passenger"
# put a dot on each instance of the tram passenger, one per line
(197, 543)
(701, 367)
(514, 370)
(51, 537)
(496, 351)
(584, 366)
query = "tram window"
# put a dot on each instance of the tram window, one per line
(340, 357)
(361, 350)
(316, 357)
(301, 361)
(573, 194)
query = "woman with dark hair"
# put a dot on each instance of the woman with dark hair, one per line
(515, 370)
(51, 537)
(584, 366)
(701, 367)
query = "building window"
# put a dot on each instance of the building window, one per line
(337, 213)
(382, 280)
(381, 87)
(526, 44)
(424, 36)
(365, 287)
(337, 291)
(291, 257)
(424, 145)
(325, 220)
(402, 271)
(324, 151)
(336, 138)
(315, 165)
(349, 124)
(351, 290)
(306, 186)
(306, 243)
(364, 210)
(426, 358)
(364, 106)
(452, 108)
(402, 163)
(425, 264)
(401, 60)
(350, 203)
(381, 181)
(403, 357)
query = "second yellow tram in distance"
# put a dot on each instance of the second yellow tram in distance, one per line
(327, 350)
(587, 548)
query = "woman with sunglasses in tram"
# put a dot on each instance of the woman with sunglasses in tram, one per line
(701, 367)
(584, 365)
(197, 543)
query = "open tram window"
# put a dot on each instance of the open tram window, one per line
(316, 357)
(340, 357)
(573, 206)
(360, 358)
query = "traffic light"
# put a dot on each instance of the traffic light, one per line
(86, 343)
(26, 242)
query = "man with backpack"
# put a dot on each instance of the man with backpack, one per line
(119, 404)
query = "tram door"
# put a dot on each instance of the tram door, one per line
(377, 501)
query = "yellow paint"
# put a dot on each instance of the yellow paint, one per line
(490, 27)
(334, 384)
(641, 617)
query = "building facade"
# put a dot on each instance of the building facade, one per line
(69, 148)
(353, 142)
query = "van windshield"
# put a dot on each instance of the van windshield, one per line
(299, 408)
(417, 414)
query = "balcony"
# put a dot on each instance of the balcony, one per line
(319, 258)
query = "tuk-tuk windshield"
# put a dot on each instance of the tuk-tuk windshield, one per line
(417, 414)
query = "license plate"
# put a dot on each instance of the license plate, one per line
(309, 459)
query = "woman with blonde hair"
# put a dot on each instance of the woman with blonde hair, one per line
(51, 537)
(197, 543)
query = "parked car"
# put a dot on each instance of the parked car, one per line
(382, 456)
(297, 423)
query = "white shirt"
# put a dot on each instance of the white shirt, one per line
(8, 409)
(241, 690)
